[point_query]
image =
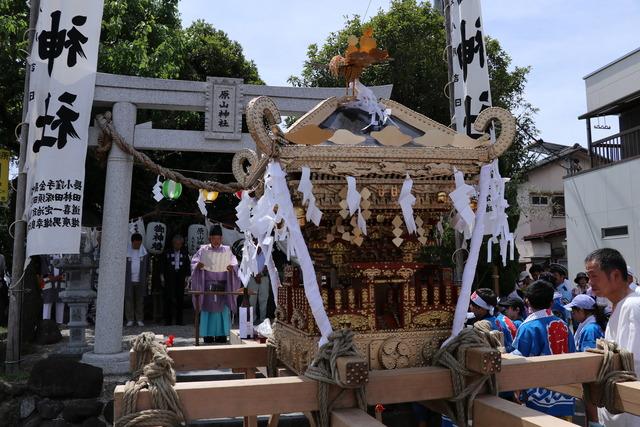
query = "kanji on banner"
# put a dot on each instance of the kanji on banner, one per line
(62, 64)
(470, 67)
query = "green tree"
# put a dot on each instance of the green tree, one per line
(141, 38)
(413, 33)
(13, 26)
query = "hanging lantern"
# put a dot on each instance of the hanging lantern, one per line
(171, 190)
(209, 196)
(238, 194)
(473, 204)
(442, 197)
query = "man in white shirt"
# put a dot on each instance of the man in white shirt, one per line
(135, 281)
(259, 284)
(607, 271)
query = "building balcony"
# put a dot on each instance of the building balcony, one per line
(620, 146)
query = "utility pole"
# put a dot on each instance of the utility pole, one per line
(17, 271)
(444, 6)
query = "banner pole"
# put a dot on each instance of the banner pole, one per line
(17, 270)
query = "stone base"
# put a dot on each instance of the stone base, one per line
(111, 364)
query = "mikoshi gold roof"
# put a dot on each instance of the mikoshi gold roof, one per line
(336, 139)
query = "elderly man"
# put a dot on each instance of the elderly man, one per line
(175, 269)
(607, 271)
(215, 268)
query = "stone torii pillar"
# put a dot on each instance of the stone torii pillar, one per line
(108, 353)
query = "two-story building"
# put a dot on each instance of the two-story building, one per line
(540, 235)
(602, 204)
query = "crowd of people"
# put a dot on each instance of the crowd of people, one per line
(169, 274)
(547, 314)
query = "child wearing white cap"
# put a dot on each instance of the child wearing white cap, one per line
(592, 321)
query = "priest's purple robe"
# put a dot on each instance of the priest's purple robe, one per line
(201, 278)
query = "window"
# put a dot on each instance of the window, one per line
(557, 206)
(539, 200)
(611, 232)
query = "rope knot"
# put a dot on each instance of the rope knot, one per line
(453, 356)
(323, 369)
(608, 377)
(154, 372)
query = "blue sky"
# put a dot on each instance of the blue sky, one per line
(562, 40)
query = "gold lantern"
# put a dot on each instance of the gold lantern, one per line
(442, 197)
(209, 196)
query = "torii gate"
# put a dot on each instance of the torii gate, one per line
(125, 95)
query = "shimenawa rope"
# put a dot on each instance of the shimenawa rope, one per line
(154, 371)
(109, 135)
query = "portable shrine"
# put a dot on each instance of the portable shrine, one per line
(401, 166)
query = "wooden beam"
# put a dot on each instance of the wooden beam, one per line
(483, 361)
(628, 398)
(298, 394)
(491, 411)
(353, 418)
(574, 390)
(545, 371)
(251, 420)
(234, 356)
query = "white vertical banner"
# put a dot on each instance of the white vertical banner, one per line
(470, 69)
(470, 75)
(63, 63)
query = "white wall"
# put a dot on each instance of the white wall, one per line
(614, 81)
(605, 197)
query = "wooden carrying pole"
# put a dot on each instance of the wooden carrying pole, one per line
(239, 398)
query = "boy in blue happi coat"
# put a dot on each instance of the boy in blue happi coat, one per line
(542, 334)
(483, 306)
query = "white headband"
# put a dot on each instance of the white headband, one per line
(477, 300)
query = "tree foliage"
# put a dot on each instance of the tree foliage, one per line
(413, 33)
(142, 38)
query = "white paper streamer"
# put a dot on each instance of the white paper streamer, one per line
(353, 202)
(263, 227)
(366, 100)
(201, 204)
(407, 200)
(314, 214)
(461, 197)
(157, 190)
(469, 273)
(496, 222)
(276, 184)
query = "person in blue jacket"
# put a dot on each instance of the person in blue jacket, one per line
(591, 321)
(543, 334)
(514, 309)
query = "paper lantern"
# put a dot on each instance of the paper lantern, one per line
(171, 190)
(155, 237)
(238, 194)
(209, 196)
(197, 235)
